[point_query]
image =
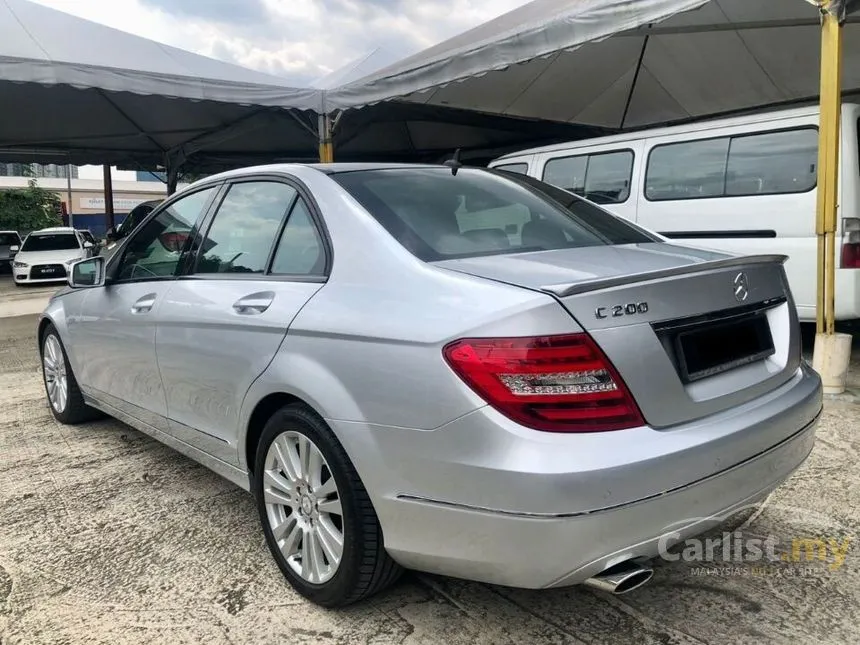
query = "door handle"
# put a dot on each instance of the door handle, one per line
(144, 304)
(256, 303)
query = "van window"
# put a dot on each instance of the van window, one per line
(769, 163)
(603, 178)
(521, 168)
(772, 163)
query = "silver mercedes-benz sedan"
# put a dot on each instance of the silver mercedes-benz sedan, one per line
(455, 370)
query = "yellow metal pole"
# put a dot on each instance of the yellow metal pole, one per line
(325, 135)
(828, 165)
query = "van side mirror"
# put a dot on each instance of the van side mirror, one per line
(14, 248)
(88, 245)
(87, 273)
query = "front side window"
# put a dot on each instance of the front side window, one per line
(604, 178)
(437, 215)
(157, 248)
(50, 242)
(245, 227)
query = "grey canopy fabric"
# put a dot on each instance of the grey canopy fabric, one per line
(73, 91)
(618, 63)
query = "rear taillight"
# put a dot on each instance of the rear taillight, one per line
(850, 243)
(551, 383)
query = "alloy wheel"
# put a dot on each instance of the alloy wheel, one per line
(56, 377)
(303, 507)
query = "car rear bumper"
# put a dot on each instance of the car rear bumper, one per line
(502, 511)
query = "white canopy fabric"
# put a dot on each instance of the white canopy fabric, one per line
(74, 91)
(618, 63)
(40, 45)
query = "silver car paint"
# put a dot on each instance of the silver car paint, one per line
(364, 350)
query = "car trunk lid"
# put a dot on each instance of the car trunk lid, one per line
(691, 332)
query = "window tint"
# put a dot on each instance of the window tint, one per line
(603, 178)
(9, 239)
(437, 215)
(300, 250)
(155, 249)
(51, 242)
(687, 170)
(761, 164)
(520, 168)
(775, 162)
(244, 229)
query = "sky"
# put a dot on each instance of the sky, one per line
(299, 40)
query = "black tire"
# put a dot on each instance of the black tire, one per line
(75, 411)
(365, 567)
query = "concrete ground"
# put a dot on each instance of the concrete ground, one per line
(109, 537)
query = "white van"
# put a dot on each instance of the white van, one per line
(744, 184)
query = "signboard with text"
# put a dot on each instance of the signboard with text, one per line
(98, 203)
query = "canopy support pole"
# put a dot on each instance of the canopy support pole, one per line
(108, 190)
(325, 136)
(832, 351)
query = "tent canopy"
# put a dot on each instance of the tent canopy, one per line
(74, 91)
(77, 92)
(618, 63)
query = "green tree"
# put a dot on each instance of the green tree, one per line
(29, 209)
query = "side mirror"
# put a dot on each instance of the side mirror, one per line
(14, 248)
(88, 245)
(87, 273)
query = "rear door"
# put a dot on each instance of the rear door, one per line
(262, 257)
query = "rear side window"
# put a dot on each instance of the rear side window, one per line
(769, 163)
(300, 250)
(245, 227)
(437, 215)
(604, 178)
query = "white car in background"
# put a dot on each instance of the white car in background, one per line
(45, 255)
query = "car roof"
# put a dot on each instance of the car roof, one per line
(326, 168)
(54, 229)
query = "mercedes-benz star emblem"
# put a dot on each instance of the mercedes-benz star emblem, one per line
(742, 286)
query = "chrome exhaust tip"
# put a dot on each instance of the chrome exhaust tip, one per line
(621, 578)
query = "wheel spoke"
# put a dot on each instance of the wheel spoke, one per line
(287, 458)
(315, 467)
(304, 456)
(281, 484)
(330, 540)
(330, 506)
(324, 490)
(311, 556)
(277, 497)
(291, 542)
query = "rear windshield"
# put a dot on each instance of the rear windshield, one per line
(8, 239)
(51, 242)
(438, 216)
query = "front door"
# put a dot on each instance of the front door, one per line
(260, 261)
(114, 335)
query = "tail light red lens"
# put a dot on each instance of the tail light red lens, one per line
(850, 243)
(550, 383)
